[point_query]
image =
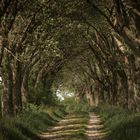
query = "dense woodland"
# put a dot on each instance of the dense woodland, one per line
(87, 47)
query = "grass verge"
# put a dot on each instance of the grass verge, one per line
(121, 124)
(29, 123)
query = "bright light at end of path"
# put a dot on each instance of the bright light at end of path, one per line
(60, 97)
(63, 95)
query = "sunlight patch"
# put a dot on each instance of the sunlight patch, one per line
(62, 95)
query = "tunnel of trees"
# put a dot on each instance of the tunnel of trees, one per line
(90, 48)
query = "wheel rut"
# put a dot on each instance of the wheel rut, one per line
(95, 128)
(76, 127)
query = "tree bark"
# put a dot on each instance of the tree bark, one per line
(7, 97)
(17, 88)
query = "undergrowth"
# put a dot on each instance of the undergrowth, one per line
(32, 121)
(75, 106)
(122, 124)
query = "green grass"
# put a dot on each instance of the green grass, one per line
(32, 121)
(121, 124)
(74, 106)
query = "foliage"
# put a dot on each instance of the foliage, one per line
(41, 95)
(72, 105)
(121, 124)
(88, 47)
(85, 39)
(30, 123)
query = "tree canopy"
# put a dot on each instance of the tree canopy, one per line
(89, 47)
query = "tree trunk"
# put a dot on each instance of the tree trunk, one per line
(40, 75)
(17, 88)
(133, 74)
(123, 88)
(7, 97)
(24, 88)
(3, 40)
(114, 88)
(90, 96)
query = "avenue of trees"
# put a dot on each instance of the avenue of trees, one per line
(91, 47)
